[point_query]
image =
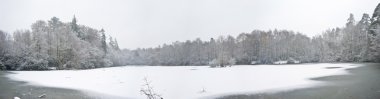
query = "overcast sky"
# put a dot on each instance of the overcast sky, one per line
(149, 23)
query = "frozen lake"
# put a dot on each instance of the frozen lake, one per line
(179, 82)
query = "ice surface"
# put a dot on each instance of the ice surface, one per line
(185, 82)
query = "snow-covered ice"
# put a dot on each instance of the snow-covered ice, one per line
(185, 82)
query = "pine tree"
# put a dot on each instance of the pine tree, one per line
(364, 38)
(75, 28)
(116, 44)
(349, 38)
(111, 43)
(374, 31)
(375, 25)
(103, 41)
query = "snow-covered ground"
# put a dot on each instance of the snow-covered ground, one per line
(185, 82)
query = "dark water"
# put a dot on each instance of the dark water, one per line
(10, 89)
(363, 83)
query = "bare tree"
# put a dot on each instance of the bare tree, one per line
(148, 91)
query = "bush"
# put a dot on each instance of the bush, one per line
(2, 66)
(34, 64)
(222, 62)
(148, 91)
(213, 63)
(232, 61)
(107, 62)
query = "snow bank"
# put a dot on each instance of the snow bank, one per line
(184, 82)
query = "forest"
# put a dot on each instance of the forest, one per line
(57, 45)
(54, 44)
(357, 41)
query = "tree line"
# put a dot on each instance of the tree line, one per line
(54, 44)
(357, 41)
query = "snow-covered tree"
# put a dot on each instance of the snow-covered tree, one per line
(103, 41)
(57, 44)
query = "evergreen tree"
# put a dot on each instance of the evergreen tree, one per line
(375, 37)
(375, 25)
(116, 44)
(103, 41)
(75, 28)
(364, 37)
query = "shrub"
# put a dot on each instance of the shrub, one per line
(2, 66)
(148, 91)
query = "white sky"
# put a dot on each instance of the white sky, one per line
(149, 23)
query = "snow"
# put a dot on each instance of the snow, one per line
(297, 62)
(280, 62)
(179, 82)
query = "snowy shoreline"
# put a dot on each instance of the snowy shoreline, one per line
(185, 81)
